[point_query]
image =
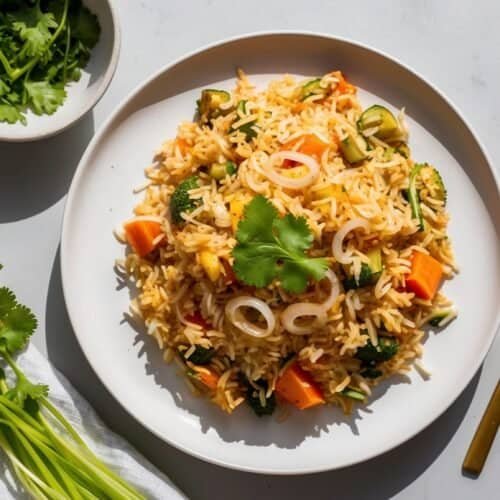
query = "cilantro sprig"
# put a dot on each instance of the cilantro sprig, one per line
(271, 247)
(47, 455)
(43, 46)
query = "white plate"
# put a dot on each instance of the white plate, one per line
(129, 364)
(82, 95)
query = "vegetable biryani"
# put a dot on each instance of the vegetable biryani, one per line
(288, 249)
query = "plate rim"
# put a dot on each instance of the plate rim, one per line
(104, 128)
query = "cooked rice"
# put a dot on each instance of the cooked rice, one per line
(172, 284)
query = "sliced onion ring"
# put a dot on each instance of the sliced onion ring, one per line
(334, 290)
(239, 321)
(301, 309)
(338, 239)
(288, 182)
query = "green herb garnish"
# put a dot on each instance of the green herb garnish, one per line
(271, 247)
(47, 455)
(43, 46)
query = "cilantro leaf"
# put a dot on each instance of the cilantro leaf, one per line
(16, 327)
(10, 114)
(244, 266)
(34, 28)
(293, 232)
(270, 247)
(24, 390)
(44, 44)
(85, 26)
(17, 323)
(258, 219)
(293, 279)
(45, 97)
(7, 301)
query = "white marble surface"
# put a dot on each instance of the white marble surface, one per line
(455, 44)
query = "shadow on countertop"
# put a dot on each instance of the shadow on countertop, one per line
(40, 172)
(379, 478)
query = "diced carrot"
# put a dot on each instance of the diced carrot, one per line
(141, 235)
(298, 107)
(344, 87)
(311, 145)
(197, 319)
(182, 144)
(206, 376)
(297, 387)
(425, 276)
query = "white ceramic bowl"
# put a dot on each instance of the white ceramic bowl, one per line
(129, 363)
(82, 95)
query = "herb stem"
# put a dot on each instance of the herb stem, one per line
(35, 457)
(66, 53)
(17, 73)
(102, 476)
(6, 64)
(60, 418)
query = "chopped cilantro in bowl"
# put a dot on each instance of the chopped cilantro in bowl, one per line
(44, 44)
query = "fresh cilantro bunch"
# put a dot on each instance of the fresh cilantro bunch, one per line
(271, 247)
(43, 46)
(47, 455)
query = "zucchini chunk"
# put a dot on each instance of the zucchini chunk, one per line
(218, 171)
(441, 317)
(248, 128)
(378, 116)
(210, 102)
(433, 181)
(414, 197)
(353, 394)
(370, 273)
(312, 87)
(354, 148)
(402, 148)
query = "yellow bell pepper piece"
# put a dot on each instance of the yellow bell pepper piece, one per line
(211, 264)
(236, 207)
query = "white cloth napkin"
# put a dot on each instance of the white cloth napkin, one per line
(111, 448)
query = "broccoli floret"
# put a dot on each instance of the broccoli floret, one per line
(201, 355)
(181, 202)
(210, 102)
(253, 399)
(386, 348)
(433, 181)
(371, 372)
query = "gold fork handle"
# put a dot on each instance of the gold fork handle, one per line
(484, 436)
